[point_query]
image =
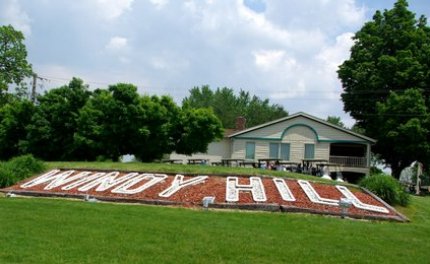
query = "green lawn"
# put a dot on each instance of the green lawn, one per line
(181, 169)
(34, 230)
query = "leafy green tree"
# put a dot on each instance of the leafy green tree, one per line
(227, 106)
(160, 128)
(390, 54)
(14, 117)
(13, 58)
(109, 121)
(335, 120)
(197, 128)
(118, 121)
(405, 121)
(50, 135)
(259, 111)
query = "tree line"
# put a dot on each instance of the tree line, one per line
(386, 89)
(227, 105)
(73, 123)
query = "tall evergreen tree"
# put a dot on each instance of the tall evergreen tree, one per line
(227, 106)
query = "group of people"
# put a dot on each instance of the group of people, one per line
(270, 165)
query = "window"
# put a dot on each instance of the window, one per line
(250, 150)
(309, 151)
(279, 151)
(273, 150)
(285, 151)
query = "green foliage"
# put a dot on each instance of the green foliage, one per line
(50, 135)
(335, 120)
(375, 170)
(387, 188)
(14, 118)
(19, 168)
(193, 123)
(109, 123)
(118, 121)
(404, 121)
(390, 54)
(227, 106)
(158, 133)
(13, 58)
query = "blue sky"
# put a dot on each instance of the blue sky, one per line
(284, 50)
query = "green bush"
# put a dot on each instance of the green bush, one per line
(7, 176)
(19, 168)
(387, 188)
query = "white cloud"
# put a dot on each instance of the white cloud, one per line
(159, 4)
(287, 51)
(111, 9)
(169, 62)
(331, 16)
(273, 59)
(117, 44)
(350, 13)
(332, 56)
(118, 47)
(12, 13)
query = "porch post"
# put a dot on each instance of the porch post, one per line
(368, 155)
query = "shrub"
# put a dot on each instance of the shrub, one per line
(19, 168)
(7, 176)
(386, 187)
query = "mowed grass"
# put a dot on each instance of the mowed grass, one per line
(35, 230)
(180, 169)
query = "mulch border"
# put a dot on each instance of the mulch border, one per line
(266, 207)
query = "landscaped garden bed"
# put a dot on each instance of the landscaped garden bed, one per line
(234, 192)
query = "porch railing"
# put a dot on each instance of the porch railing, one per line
(347, 161)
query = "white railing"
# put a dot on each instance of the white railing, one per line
(347, 161)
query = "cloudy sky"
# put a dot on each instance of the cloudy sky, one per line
(284, 50)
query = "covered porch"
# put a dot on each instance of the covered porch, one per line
(352, 159)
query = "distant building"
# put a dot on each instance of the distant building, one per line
(299, 138)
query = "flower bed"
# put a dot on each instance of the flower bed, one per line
(254, 193)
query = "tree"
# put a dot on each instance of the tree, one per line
(15, 116)
(109, 122)
(118, 121)
(197, 128)
(162, 126)
(50, 135)
(13, 58)
(227, 106)
(390, 54)
(405, 121)
(335, 120)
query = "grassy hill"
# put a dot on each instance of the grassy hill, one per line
(34, 230)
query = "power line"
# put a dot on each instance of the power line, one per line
(298, 95)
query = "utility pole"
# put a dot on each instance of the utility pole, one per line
(33, 90)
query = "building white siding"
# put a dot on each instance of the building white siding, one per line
(296, 131)
(216, 152)
(277, 130)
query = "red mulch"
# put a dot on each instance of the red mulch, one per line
(191, 196)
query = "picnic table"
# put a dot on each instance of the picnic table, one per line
(249, 162)
(230, 162)
(308, 165)
(198, 161)
(267, 161)
(173, 161)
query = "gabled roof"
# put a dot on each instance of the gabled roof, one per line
(301, 114)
